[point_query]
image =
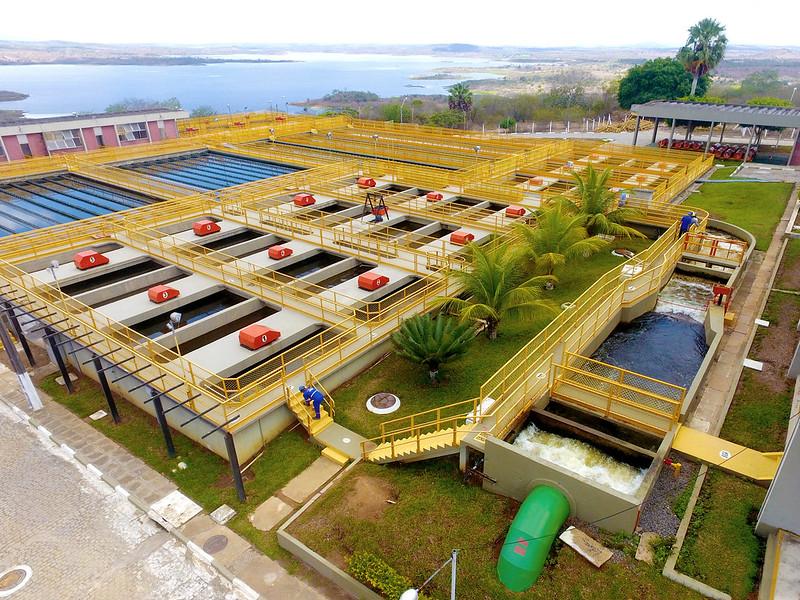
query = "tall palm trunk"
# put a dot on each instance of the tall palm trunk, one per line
(695, 79)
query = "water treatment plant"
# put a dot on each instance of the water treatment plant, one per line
(204, 279)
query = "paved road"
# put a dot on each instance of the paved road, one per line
(81, 540)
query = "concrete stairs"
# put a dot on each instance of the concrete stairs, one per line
(432, 444)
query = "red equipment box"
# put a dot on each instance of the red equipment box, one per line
(162, 293)
(372, 281)
(205, 227)
(365, 182)
(256, 336)
(279, 252)
(535, 181)
(515, 211)
(304, 200)
(88, 259)
(461, 238)
(433, 196)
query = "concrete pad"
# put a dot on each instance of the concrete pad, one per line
(587, 547)
(175, 508)
(753, 364)
(788, 580)
(72, 377)
(223, 514)
(201, 529)
(270, 513)
(96, 416)
(309, 481)
(270, 579)
(644, 551)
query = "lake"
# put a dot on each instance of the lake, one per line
(59, 89)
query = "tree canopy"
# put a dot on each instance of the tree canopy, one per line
(657, 79)
(127, 104)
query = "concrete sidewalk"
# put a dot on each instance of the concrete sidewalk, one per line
(250, 572)
(748, 304)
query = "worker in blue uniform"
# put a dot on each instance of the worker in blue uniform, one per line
(688, 221)
(312, 395)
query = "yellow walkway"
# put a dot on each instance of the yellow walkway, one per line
(755, 465)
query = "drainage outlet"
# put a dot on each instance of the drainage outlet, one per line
(14, 579)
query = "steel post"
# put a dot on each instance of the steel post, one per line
(18, 332)
(236, 472)
(51, 339)
(162, 422)
(101, 375)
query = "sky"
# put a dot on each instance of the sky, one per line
(497, 22)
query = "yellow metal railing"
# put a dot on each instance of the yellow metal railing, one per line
(715, 247)
(620, 394)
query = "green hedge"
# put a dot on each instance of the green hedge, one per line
(373, 571)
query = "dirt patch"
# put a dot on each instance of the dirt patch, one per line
(775, 345)
(367, 498)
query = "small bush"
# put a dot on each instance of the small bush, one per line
(373, 571)
(507, 123)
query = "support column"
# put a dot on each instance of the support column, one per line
(655, 130)
(236, 471)
(672, 132)
(636, 131)
(51, 339)
(162, 422)
(688, 135)
(101, 375)
(749, 143)
(22, 375)
(708, 141)
(18, 332)
(722, 133)
(794, 152)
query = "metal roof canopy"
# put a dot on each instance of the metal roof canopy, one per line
(762, 116)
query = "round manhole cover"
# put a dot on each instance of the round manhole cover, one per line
(13, 579)
(215, 543)
(383, 403)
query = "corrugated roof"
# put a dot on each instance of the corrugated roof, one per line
(80, 117)
(765, 116)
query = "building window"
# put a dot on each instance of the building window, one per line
(26, 150)
(130, 132)
(62, 140)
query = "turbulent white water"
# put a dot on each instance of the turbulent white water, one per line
(686, 296)
(580, 457)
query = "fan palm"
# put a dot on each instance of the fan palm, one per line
(496, 286)
(599, 205)
(559, 236)
(460, 99)
(704, 49)
(432, 342)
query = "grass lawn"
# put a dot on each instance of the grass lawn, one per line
(461, 379)
(756, 207)
(721, 548)
(435, 511)
(207, 479)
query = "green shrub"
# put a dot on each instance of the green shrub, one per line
(507, 123)
(769, 101)
(373, 571)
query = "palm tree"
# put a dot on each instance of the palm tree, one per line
(460, 99)
(704, 49)
(432, 342)
(497, 286)
(599, 205)
(559, 236)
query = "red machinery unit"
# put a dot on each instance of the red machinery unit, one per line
(257, 336)
(722, 296)
(205, 227)
(433, 196)
(535, 181)
(365, 182)
(87, 259)
(461, 238)
(279, 252)
(371, 281)
(515, 211)
(162, 293)
(304, 200)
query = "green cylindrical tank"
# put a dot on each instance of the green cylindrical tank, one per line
(530, 536)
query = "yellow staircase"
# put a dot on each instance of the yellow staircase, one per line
(409, 446)
(740, 460)
(305, 414)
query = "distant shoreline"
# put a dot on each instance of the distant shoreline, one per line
(8, 96)
(143, 61)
